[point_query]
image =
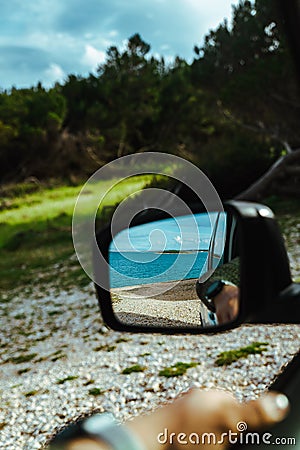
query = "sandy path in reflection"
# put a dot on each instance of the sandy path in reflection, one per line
(168, 303)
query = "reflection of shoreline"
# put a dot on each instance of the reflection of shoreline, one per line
(170, 252)
(163, 303)
(182, 290)
(159, 252)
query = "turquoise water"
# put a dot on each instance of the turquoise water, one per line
(165, 250)
(133, 268)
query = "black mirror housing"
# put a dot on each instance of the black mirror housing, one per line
(264, 269)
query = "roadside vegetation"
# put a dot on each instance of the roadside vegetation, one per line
(233, 109)
(137, 103)
(230, 356)
(36, 248)
(177, 369)
(287, 213)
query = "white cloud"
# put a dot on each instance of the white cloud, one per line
(54, 73)
(178, 239)
(76, 39)
(93, 57)
(113, 33)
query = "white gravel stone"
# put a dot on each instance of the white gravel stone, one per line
(66, 334)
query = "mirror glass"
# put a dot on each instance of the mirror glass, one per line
(176, 272)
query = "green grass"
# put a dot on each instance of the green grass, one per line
(105, 348)
(282, 206)
(287, 212)
(177, 369)
(96, 391)
(122, 339)
(36, 247)
(133, 369)
(21, 371)
(69, 378)
(31, 393)
(89, 382)
(230, 356)
(22, 358)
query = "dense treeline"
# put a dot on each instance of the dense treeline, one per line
(232, 110)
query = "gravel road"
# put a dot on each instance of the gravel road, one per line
(59, 362)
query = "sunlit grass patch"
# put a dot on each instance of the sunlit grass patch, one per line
(133, 369)
(105, 348)
(96, 391)
(36, 247)
(22, 358)
(69, 378)
(31, 393)
(228, 357)
(177, 369)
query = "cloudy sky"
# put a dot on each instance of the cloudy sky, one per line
(43, 40)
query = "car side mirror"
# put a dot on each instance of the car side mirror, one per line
(201, 272)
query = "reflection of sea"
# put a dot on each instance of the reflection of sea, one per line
(132, 268)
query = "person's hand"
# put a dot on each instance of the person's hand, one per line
(201, 415)
(199, 412)
(227, 304)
